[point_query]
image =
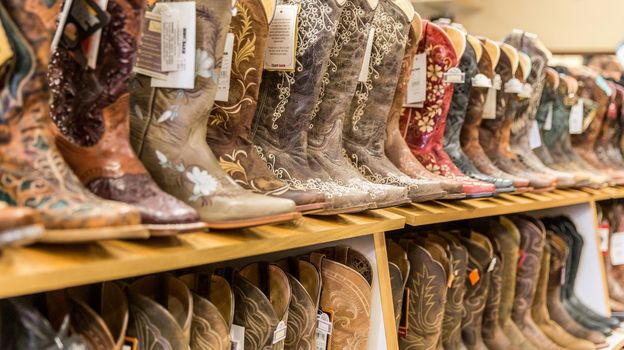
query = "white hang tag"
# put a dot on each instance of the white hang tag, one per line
(513, 86)
(323, 330)
(172, 40)
(183, 14)
(576, 118)
(616, 250)
(527, 91)
(489, 108)
(223, 89)
(414, 105)
(417, 84)
(549, 117)
(497, 82)
(363, 77)
(535, 139)
(281, 48)
(481, 81)
(603, 232)
(280, 332)
(454, 76)
(492, 265)
(237, 337)
(148, 58)
(602, 84)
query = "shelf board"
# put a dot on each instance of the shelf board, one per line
(41, 268)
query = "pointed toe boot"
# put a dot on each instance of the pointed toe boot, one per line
(229, 124)
(423, 128)
(19, 226)
(90, 108)
(32, 171)
(168, 133)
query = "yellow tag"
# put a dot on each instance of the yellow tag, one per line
(6, 51)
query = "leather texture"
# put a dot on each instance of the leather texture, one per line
(168, 132)
(229, 124)
(32, 171)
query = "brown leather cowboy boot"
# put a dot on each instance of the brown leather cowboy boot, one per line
(262, 298)
(32, 172)
(605, 148)
(213, 311)
(18, 226)
(399, 265)
(397, 149)
(229, 124)
(90, 110)
(168, 132)
(287, 101)
(161, 311)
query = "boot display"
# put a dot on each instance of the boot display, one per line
(168, 133)
(229, 124)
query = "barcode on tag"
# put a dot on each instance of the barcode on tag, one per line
(223, 89)
(280, 332)
(535, 139)
(417, 84)
(282, 39)
(237, 336)
(363, 77)
(549, 117)
(454, 76)
(576, 118)
(489, 109)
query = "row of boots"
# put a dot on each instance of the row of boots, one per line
(295, 303)
(497, 283)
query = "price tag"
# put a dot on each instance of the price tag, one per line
(616, 250)
(282, 39)
(604, 86)
(130, 343)
(535, 139)
(474, 277)
(172, 39)
(522, 255)
(527, 91)
(497, 82)
(454, 76)
(489, 108)
(563, 275)
(513, 86)
(280, 332)
(480, 80)
(417, 84)
(603, 233)
(149, 51)
(363, 77)
(492, 265)
(324, 329)
(576, 118)
(223, 89)
(237, 337)
(549, 117)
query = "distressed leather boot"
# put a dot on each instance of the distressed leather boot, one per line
(18, 226)
(346, 294)
(473, 80)
(604, 148)
(161, 312)
(399, 265)
(531, 248)
(213, 311)
(426, 295)
(305, 285)
(286, 103)
(556, 309)
(90, 111)
(469, 134)
(423, 128)
(168, 132)
(539, 311)
(365, 122)
(229, 124)
(338, 85)
(262, 296)
(32, 171)
(397, 149)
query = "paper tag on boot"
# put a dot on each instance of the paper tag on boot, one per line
(281, 47)
(6, 51)
(237, 337)
(149, 58)
(603, 233)
(454, 76)
(363, 77)
(417, 83)
(325, 319)
(223, 90)
(280, 332)
(576, 118)
(130, 343)
(616, 248)
(535, 139)
(549, 117)
(489, 108)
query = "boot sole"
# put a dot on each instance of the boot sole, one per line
(350, 210)
(453, 196)
(21, 236)
(311, 208)
(392, 204)
(543, 189)
(479, 195)
(84, 235)
(430, 197)
(163, 230)
(265, 220)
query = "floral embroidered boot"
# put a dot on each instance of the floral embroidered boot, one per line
(339, 82)
(468, 64)
(91, 110)
(397, 149)
(32, 171)
(423, 128)
(229, 125)
(168, 132)
(365, 123)
(286, 104)
(18, 226)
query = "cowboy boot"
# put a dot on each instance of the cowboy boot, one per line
(229, 124)
(161, 312)
(282, 119)
(614, 218)
(90, 111)
(339, 83)
(609, 130)
(426, 294)
(18, 226)
(469, 134)
(423, 128)
(262, 297)
(555, 308)
(168, 132)
(494, 134)
(346, 294)
(213, 311)
(305, 285)
(549, 95)
(399, 265)
(32, 172)
(397, 149)
(541, 317)
(462, 92)
(531, 248)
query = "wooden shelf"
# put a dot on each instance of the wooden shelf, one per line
(616, 341)
(43, 268)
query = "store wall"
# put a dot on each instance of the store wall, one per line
(565, 26)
